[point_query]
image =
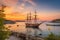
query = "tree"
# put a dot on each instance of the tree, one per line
(4, 33)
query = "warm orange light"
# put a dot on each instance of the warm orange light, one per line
(42, 15)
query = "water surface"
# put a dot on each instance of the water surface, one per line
(45, 29)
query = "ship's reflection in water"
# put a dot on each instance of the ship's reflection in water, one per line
(21, 27)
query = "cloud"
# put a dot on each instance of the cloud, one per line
(17, 6)
(15, 2)
(33, 3)
(21, 7)
(9, 10)
(10, 2)
(15, 16)
(30, 1)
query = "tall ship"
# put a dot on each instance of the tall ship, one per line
(30, 24)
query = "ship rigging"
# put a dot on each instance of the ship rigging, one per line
(29, 23)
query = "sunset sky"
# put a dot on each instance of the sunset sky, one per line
(18, 9)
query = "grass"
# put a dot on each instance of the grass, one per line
(51, 36)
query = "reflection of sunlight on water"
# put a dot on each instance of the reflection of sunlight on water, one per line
(20, 28)
(45, 29)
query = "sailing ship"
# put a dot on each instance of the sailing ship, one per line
(30, 24)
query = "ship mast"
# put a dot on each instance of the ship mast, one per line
(27, 18)
(30, 17)
(35, 16)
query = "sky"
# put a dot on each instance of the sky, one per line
(18, 9)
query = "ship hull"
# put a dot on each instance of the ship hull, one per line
(53, 24)
(32, 25)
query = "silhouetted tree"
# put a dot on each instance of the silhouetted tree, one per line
(4, 33)
(56, 20)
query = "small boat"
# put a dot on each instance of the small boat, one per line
(53, 24)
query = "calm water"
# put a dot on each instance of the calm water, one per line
(45, 29)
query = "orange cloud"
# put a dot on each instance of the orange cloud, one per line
(22, 9)
(10, 2)
(8, 10)
(12, 5)
(15, 16)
